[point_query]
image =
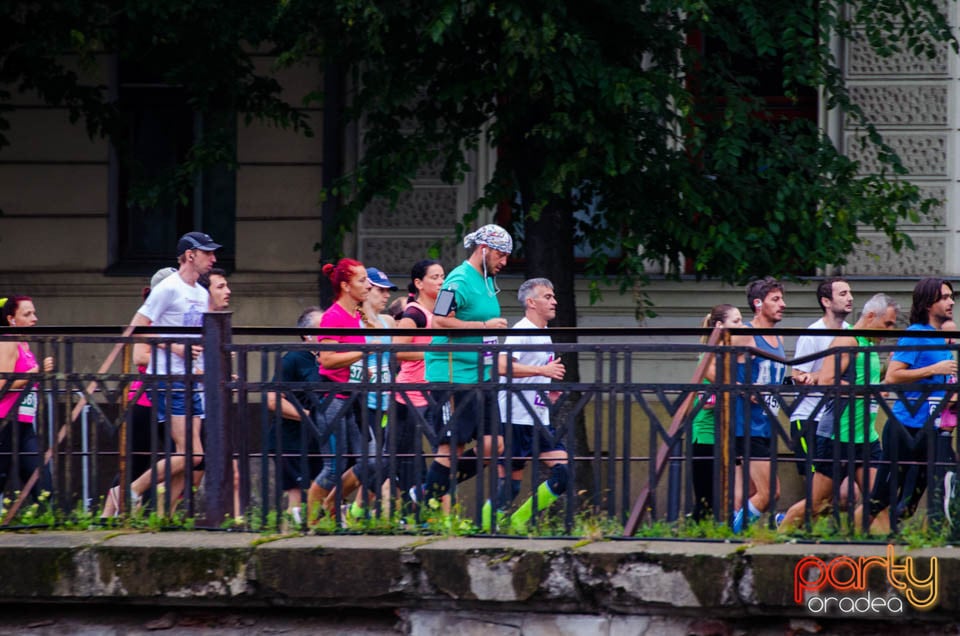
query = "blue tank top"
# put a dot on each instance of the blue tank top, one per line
(763, 372)
(379, 371)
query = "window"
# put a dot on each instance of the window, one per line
(147, 219)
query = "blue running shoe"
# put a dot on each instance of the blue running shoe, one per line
(738, 521)
(779, 517)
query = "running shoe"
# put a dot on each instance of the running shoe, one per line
(486, 518)
(738, 521)
(415, 493)
(949, 491)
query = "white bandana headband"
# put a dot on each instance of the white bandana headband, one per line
(493, 236)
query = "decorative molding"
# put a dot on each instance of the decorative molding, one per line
(922, 154)
(430, 171)
(938, 214)
(875, 257)
(396, 255)
(903, 104)
(431, 208)
(863, 60)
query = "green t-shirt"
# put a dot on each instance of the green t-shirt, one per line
(858, 376)
(704, 424)
(476, 300)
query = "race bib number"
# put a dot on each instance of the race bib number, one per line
(766, 374)
(934, 402)
(488, 355)
(772, 403)
(379, 374)
(28, 407)
(539, 401)
(356, 371)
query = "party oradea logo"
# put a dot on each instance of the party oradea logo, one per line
(866, 585)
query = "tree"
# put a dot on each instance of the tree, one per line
(613, 130)
(605, 106)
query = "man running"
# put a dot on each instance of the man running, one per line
(474, 291)
(836, 301)
(528, 412)
(178, 301)
(851, 411)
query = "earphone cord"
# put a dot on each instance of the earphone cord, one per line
(496, 289)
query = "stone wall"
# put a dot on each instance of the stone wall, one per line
(489, 586)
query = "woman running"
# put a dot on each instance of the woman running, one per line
(18, 434)
(426, 278)
(704, 422)
(351, 288)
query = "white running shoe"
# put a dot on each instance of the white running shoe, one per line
(949, 491)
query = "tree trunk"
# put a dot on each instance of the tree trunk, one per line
(548, 246)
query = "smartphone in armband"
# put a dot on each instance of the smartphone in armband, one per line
(445, 302)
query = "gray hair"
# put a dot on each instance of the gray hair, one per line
(878, 304)
(306, 319)
(526, 289)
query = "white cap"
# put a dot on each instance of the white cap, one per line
(161, 274)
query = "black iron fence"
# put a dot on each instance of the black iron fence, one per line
(629, 449)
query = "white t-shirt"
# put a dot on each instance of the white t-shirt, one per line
(174, 303)
(520, 414)
(808, 345)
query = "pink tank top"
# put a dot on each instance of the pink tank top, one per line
(948, 417)
(28, 407)
(144, 399)
(414, 371)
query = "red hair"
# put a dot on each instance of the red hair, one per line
(342, 272)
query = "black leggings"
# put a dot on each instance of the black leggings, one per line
(407, 438)
(902, 444)
(26, 450)
(702, 480)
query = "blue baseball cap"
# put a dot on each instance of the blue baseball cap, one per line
(196, 241)
(378, 278)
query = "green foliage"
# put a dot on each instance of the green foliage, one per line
(153, 521)
(918, 532)
(605, 107)
(39, 513)
(592, 525)
(257, 522)
(915, 532)
(589, 525)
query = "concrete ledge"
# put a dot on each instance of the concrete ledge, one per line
(698, 580)
(335, 570)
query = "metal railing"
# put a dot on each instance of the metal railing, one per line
(631, 453)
